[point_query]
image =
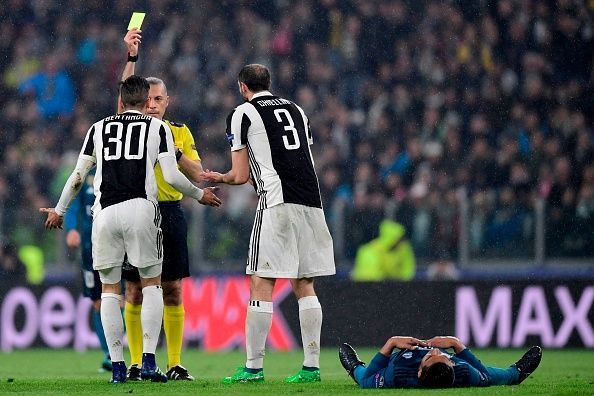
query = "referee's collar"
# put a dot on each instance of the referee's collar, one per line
(261, 93)
(132, 111)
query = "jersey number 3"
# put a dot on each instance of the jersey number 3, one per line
(288, 128)
(113, 146)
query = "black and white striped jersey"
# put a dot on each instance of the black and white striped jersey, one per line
(276, 133)
(125, 148)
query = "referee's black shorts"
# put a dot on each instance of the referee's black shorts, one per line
(176, 264)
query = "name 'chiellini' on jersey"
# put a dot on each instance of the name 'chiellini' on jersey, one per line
(277, 135)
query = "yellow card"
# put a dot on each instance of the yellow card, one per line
(136, 20)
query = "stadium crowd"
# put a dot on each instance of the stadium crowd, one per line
(412, 103)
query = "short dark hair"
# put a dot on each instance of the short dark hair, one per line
(134, 91)
(438, 375)
(256, 77)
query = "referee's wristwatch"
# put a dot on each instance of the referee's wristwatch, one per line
(178, 153)
(132, 58)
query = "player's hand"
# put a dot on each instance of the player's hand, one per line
(446, 342)
(133, 40)
(73, 239)
(406, 342)
(214, 177)
(209, 198)
(400, 343)
(54, 220)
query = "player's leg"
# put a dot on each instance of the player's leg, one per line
(152, 318)
(173, 325)
(111, 318)
(132, 318)
(176, 266)
(502, 376)
(369, 379)
(373, 376)
(140, 220)
(132, 311)
(310, 323)
(354, 366)
(257, 325)
(98, 326)
(92, 290)
(316, 258)
(258, 320)
(517, 372)
(173, 321)
(272, 254)
(108, 252)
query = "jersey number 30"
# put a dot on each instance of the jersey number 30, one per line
(113, 147)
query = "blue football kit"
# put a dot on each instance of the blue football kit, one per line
(400, 370)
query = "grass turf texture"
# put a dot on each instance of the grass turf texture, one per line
(37, 371)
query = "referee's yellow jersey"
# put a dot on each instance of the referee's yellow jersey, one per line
(183, 139)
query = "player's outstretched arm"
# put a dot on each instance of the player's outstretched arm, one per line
(239, 173)
(191, 168)
(55, 216)
(74, 184)
(174, 177)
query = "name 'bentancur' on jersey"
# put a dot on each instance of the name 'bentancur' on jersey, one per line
(125, 148)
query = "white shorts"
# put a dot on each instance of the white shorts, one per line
(131, 227)
(290, 241)
(113, 275)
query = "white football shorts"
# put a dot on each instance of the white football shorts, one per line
(290, 241)
(113, 275)
(131, 227)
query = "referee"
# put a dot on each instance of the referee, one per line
(175, 256)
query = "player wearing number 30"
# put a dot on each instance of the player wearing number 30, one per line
(126, 217)
(270, 138)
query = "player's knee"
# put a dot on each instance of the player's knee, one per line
(303, 287)
(133, 293)
(113, 288)
(261, 288)
(172, 292)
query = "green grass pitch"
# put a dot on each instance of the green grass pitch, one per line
(65, 372)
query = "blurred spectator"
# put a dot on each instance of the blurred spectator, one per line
(33, 258)
(409, 102)
(52, 88)
(12, 268)
(388, 257)
(506, 223)
(23, 66)
(442, 269)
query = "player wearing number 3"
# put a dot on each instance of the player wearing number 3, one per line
(269, 138)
